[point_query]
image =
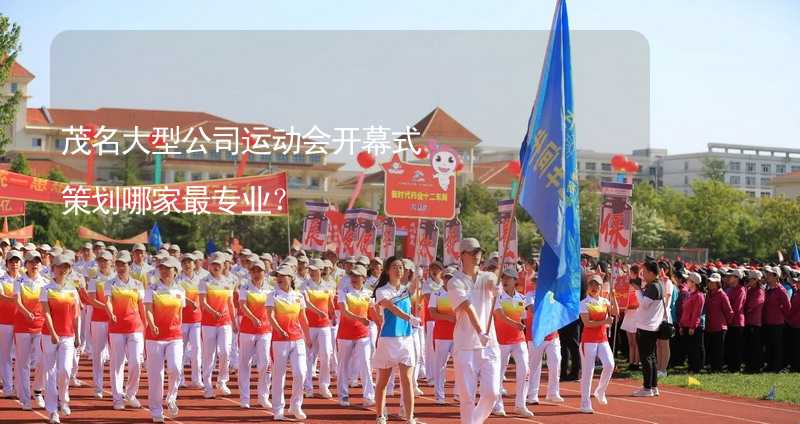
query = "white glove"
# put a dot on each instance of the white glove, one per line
(416, 322)
(484, 338)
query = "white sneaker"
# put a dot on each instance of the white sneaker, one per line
(224, 389)
(441, 401)
(523, 412)
(368, 403)
(158, 419)
(65, 410)
(380, 420)
(411, 421)
(98, 394)
(172, 409)
(656, 392)
(503, 391)
(344, 401)
(298, 413)
(119, 406)
(54, 419)
(208, 394)
(264, 402)
(309, 393)
(244, 405)
(601, 397)
(661, 374)
(499, 413)
(587, 410)
(133, 402)
(554, 399)
(643, 393)
(534, 401)
(75, 382)
(325, 394)
(26, 407)
(280, 417)
(39, 399)
(418, 391)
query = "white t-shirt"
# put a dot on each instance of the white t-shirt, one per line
(480, 293)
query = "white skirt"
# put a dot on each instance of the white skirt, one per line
(629, 320)
(392, 351)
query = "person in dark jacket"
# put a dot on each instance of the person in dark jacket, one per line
(718, 314)
(776, 310)
(753, 307)
(734, 338)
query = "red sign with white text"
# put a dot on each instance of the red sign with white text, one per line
(418, 191)
(11, 207)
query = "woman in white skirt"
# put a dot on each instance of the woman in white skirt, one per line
(395, 347)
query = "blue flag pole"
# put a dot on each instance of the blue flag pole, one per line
(549, 185)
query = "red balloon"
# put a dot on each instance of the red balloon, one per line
(365, 159)
(154, 140)
(422, 153)
(459, 166)
(248, 139)
(90, 131)
(514, 167)
(632, 166)
(618, 162)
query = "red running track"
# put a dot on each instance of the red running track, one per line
(675, 405)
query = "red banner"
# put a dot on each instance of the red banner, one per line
(18, 234)
(315, 227)
(452, 236)
(616, 219)
(12, 207)
(336, 223)
(255, 195)
(408, 228)
(86, 233)
(418, 191)
(364, 240)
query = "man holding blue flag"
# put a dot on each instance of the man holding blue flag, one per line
(549, 190)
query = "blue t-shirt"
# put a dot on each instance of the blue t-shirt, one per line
(394, 326)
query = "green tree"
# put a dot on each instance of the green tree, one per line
(482, 226)
(648, 227)
(713, 214)
(714, 169)
(590, 202)
(9, 48)
(20, 165)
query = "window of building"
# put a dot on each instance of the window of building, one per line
(315, 159)
(780, 169)
(735, 180)
(296, 182)
(686, 179)
(14, 87)
(61, 144)
(197, 176)
(605, 166)
(765, 194)
(36, 142)
(314, 183)
(735, 166)
(749, 181)
(281, 157)
(591, 166)
(765, 181)
(750, 167)
(214, 155)
(652, 171)
(298, 159)
(766, 168)
(795, 168)
(686, 165)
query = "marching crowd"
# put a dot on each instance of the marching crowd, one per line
(362, 322)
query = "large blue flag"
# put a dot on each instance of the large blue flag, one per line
(549, 190)
(154, 239)
(796, 253)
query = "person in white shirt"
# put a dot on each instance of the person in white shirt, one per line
(476, 351)
(652, 312)
(432, 283)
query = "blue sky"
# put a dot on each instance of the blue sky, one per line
(721, 71)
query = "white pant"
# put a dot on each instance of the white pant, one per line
(192, 349)
(58, 360)
(334, 354)
(443, 350)
(551, 348)
(283, 354)
(159, 351)
(355, 362)
(99, 343)
(254, 347)
(322, 347)
(429, 355)
(6, 346)
(216, 340)
(373, 337)
(590, 351)
(28, 352)
(130, 347)
(86, 329)
(472, 367)
(418, 334)
(520, 353)
(234, 356)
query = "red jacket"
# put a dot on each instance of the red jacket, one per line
(718, 311)
(737, 296)
(794, 314)
(776, 306)
(692, 309)
(753, 306)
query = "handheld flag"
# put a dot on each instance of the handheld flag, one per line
(211, 247)
(549, 185)
(795, 253)
(691, 381)
(154, 238)
(772, 393)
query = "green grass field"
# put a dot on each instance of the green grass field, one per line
(755, 386)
